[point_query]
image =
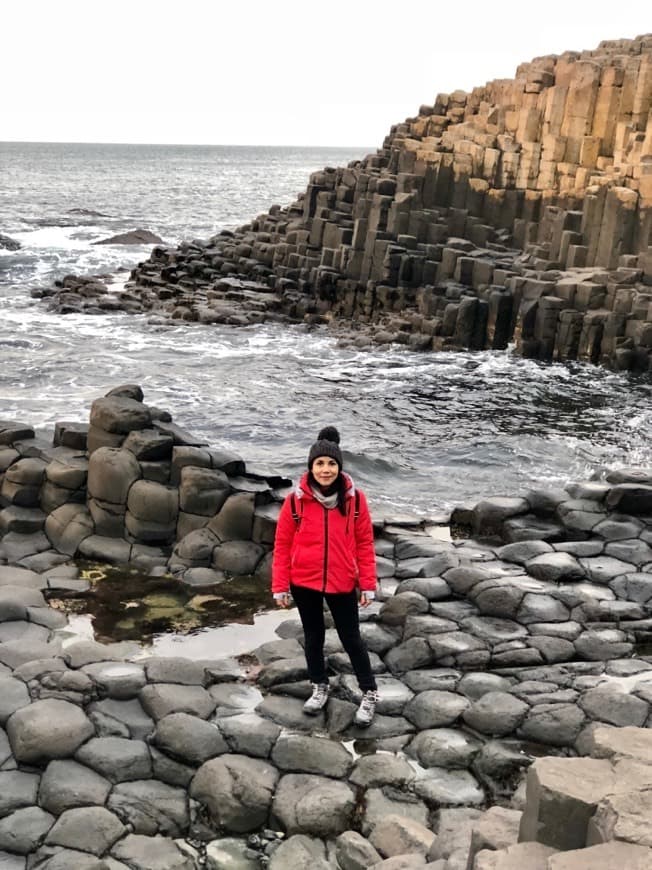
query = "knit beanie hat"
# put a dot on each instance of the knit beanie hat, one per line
(327, 444)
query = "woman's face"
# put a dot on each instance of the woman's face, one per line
(325, 470)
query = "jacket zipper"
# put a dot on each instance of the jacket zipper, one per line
(325, 548)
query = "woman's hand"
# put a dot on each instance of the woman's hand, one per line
(283, 600)
(365, 601)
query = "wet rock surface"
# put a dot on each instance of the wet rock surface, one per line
(489, 654)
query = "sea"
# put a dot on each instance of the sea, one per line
(421, 432)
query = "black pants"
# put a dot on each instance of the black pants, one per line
(344, 608)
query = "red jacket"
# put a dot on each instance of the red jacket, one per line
(324, 549)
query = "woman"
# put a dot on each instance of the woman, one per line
(324, 550)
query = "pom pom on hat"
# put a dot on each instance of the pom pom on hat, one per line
(327, 444)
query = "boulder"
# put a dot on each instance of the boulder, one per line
(313, 805)
(151, 807)
(354, 852)
(111, 473)
(24, 830)
(234, 522)
(397, 835)
(236, 790)
(444, 747)
(188, 738)
(119, 415)
(47, 729)
(67, 526)
(90, 829)
(66, 784)
(303, 754)
(116, 758)
(133, 237)
(149, 445)
(435, 709)
(202, 491)
(496, 713)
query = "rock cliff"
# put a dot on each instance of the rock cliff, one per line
(521, 211)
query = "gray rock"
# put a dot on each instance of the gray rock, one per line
(13, 696)
(11, 862)
(603, 644)
(313, 805)
(67, 784)
(613, 529)
(119, 414)
(151, 853)
(238, 558)
(235, 520)
(127, 715)
(603, 569)
(301, 853)
(202, 491)
(444, 747)
(630, 498)
(230, 853)
(454, 828)
(475, 685)
(635, 552)
(439, 679)
(17, 789)
(614, 707)
(288, 712)
(393, 694)
(440, 787)
(541, 608)
(303, 754)
(24, 830)
(149, 445)
(426, 624)
(407, 656)
(188, 738)
(400, 836)
(151, 807)
(531, 528)
(103, 549)
(249, 734)
(116, 758)
(432, 588)
(458, 644)
(111, 473)
(236, 790)
(496, 713)
(380, 803)
(47, 729)
(489, 514)
(399, 607)
(161, 699)
(523, 551)
(435, 709)
(496, 829)
(90, 829)
(378, 638)
(553, 724)
(354, 852)
(555, 567)
(635, 587)
(377, 770)
(493, 629)
(119, 680)
(553, 649)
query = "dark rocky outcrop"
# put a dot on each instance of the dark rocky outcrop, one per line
(133, 237)
(519, 212)
(8, 244)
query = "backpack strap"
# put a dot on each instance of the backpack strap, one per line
(296, 516)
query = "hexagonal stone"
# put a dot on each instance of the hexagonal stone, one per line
(119, 414)
(435, 709)
(541, 608)
(188, 738)
(603, 569)
(17, 789)
(438, 787)
(111, 472)
(319, 755)
(373, 771)
(444, 747)
(489, 514)
(24, 829)
(635, 587)
(555, 567)
(496, 713)
(161, 699)
(553, 724)
(90, 829)
(249, 734)
(635, 552)
(151, 807)
(493, 629)
(47, 729)
(13, 696)
(237, 791)
(117, 679)
(313, 805)
(151, 853)
(475, 685)
(602, 644)
(117, 758)
(127, 715)
(67, 784)
(614, 707)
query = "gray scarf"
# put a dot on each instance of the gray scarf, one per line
(329, 501)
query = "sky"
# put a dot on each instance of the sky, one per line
(279, 72)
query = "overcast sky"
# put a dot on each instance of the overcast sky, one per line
(278, 72)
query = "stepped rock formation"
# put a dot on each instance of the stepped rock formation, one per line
(521, 211)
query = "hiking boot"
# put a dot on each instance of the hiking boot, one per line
(367, 709)
(317, 701)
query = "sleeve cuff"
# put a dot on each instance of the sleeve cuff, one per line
(280, 594)
(369, 593)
